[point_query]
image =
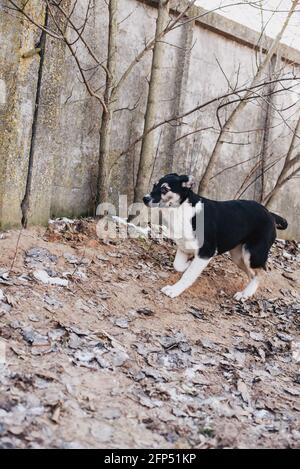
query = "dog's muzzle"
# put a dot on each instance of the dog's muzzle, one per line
(147, 200)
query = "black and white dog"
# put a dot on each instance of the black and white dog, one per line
(244, 228)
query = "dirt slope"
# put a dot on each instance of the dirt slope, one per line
(108, 361)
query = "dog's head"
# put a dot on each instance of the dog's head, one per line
(169, 191)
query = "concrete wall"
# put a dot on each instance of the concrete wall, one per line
(59, 138)
(18, 79)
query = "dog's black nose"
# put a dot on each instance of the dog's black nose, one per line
(147, 199)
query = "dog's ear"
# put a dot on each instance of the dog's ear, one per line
(187, 181)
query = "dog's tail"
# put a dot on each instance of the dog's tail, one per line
(281, 223)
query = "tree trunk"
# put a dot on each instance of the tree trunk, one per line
(147, 152)
(267, 108)
(283, 180)
(104, 157)
(289, 163)
(107, 117)
(204, 183)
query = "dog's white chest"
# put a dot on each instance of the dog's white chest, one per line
(179, 225)
(187, 246)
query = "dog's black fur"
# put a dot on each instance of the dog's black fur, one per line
(227, 224)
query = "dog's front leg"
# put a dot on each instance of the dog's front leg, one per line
(181, 262)
(189, 277)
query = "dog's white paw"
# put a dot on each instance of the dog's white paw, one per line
(241, 296)
(171, 291)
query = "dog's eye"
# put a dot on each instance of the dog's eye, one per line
(164, 190)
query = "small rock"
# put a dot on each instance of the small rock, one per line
(5, 308)
(118, 358)
(103, 258)
(85, 357)
(145, 312)
(52, 302)
(197, 313)
(163, 275)
(34, 338)
(101, 432)
(257, 336)
(293, 392)
(33, 318)
(74, 341)
(243, 390)
(284, 337)
(112, 414)
(122, 277)
(102, 362)
(71, 259)
(37, 257)
(42, 276)
(122, 323)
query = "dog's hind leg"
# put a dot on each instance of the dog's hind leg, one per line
(242, 258)
(249, 291)
(181, 262)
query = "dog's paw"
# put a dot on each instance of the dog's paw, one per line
(241, 296)
(171, 291)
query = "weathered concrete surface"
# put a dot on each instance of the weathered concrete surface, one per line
(66, 146)
(45, 147)
(76, 133)
(19, 78)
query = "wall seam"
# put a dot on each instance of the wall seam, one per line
(25, 205)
